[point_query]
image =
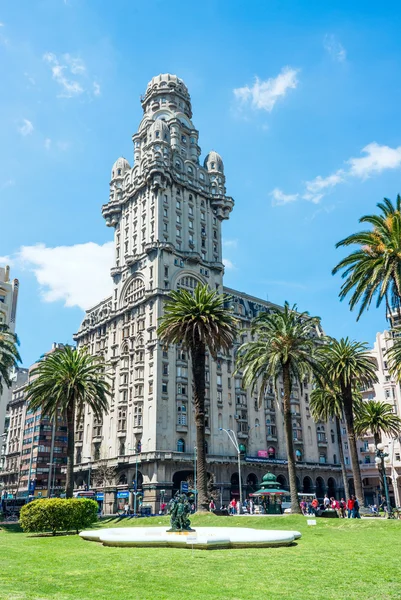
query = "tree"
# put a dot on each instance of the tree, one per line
(63, 382)
(377, 417)
(285, 346)
(374, 270)
(326, 403)
(9, 356)
(199, 322)
(349, 364)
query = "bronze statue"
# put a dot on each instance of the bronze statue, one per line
(179, 508)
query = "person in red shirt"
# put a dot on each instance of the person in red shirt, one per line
(350, 506)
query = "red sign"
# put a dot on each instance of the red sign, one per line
(262, 453)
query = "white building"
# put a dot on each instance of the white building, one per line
(167, 211)
(8, 311)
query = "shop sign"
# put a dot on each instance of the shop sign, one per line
(100, 496)
(271, 461)
(124, 494)
(262, 453)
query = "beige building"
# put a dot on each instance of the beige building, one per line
(385, 390)
(167, 212)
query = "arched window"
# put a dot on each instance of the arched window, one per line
(188, 283)
(135, 291)
(190, 170)
(180, 445)
(271, 452)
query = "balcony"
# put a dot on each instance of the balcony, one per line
(322, 443)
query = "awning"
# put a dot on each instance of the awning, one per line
(268, 493)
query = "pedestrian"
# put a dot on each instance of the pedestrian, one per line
(232, 507)
(355, 510)
(343, 507)
(350, 507)
(162, 508)
(315, 505)
(212, 505)
(250, 506)
(326, 502)
(303, 507)
(335, 505)
(126, 509)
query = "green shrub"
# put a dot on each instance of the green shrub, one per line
(56, 514)
(82, 513)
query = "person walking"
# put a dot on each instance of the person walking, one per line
(315, 506)
(350, 507)
(126, 509)
(326, 502)
(355, 510)
(343, 507)
(232, 506)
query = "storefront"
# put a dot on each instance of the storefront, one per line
(122, 499)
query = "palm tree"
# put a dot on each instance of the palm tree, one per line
(63, 382)
(285, 346)
(374, 270)
(199, 322)
(349, 364)
(9, 356)
(326, 403)
(377, 417)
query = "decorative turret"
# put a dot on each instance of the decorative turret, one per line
(119, 168)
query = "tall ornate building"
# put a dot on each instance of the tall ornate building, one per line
(167, 211)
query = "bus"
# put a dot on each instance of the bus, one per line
(286, 503)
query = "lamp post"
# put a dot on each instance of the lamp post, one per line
(89, 458)
(380, 459)
(233, 439)
(136, 479)
(195, 458)
(30, 468)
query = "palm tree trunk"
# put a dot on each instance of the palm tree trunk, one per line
(295, 508)
(342, 460)
(69, 483)
(346, 392)
(198, 355)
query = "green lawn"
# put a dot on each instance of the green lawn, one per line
(336, 559)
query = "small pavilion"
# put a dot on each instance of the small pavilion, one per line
(269, 495)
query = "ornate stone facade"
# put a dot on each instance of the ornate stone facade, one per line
(167, 211)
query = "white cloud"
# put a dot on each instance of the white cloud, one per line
(377, 159)
(279, 198)
(77, 275)
(334, 48)
(26, 128)
(71, 75)
(228, 264)
(230, 243)
(263, 95)
(315, 187)
(6, 260)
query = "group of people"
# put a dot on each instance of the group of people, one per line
(344, 509)
(234, 507)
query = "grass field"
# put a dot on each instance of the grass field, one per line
(336, 559)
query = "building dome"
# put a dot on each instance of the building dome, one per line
(159, 131)
(120, 167)
(214, 162)
(165, 81)
(269, 478)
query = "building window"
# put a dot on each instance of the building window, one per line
(164, 387)
(180, 445)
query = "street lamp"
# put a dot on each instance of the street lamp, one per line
(195, 457)
(136, 478)
(89, 458)
(380, 459)
(233, 439)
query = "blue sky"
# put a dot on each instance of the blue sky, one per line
(300, 98)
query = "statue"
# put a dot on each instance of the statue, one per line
(179, 508)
